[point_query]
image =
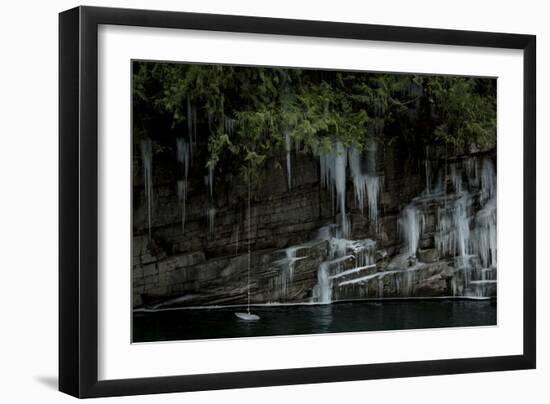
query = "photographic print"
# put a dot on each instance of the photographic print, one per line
(284, 201)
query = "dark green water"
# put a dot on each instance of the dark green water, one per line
(308, 319)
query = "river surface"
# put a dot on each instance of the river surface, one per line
(188, 324)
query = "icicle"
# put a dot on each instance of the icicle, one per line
(444, 237)
(288, 264)
(340, 252)
(411, 224)
(427, 171)
(471, 168)
(340, 163)
(456, 178)
(373, 181)
(210, 216)
(211, 180)
(147, 159)
(486, 234)
(183, 155)
(333, 177)
(323, 291)
(190, 124)
(488, 181)
(211, 210)
(373, 190)
(486, 218)
(364, 185)
(288, 162)
(453, 228)
(380, 287)
(359, 180)
(194, 115)
(326, 170)
(462, 224)
(182, 196)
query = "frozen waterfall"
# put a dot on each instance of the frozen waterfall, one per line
(346, 259)
(366, 185)
(488, 181)
(411, 224)
(322, 292)
(287, 264)
(333, 176)
(486, 234)
(340, 161)
(462, 225)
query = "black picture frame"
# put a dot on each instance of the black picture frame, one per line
(78, 201)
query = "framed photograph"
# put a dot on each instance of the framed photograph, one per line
(251, 201)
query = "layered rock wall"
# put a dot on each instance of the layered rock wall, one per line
(206, 261)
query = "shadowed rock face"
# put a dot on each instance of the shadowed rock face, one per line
(203, 265)
(222, 281)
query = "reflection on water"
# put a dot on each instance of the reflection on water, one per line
(324, 319)
(184, 324)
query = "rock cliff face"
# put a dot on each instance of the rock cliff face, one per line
(349, 225)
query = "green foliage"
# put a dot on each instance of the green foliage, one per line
(467, 116)
(246, 111)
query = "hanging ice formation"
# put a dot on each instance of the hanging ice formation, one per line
(462, 224)
(210, 217)
(488, 181)
(182, 196)
(183, 152)
(147, 160)
(333, 176)
(191, 125)
(228, 125)
(287, 265)
(411, 224)
(183, 155)
(486, 218)
(346, 258)
(456, 178)
(427, 171)
(366, 185)
(453, 228)
(457, 220)
(471, 167)
(211, 180)
(211, 210)
(288, 162)
(486, 221)
(464, 234)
